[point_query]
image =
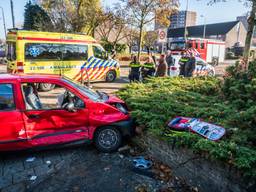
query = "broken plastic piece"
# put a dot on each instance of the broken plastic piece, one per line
(30, 159)
(142, 163)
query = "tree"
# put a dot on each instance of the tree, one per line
(113, 26)
(74, 16)
(150, 39)
(35, 18)
(251, 23)
(144, 12)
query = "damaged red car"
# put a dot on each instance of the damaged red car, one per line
(67, 115)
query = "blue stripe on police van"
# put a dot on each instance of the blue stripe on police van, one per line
(90, 64)
(97, 63)
(109, 64)
(103, 63)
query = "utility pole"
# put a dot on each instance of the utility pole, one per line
(13, 21)
(185, 28)
(204, 33)
(3, 21)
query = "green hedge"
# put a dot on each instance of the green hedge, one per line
(160, 99)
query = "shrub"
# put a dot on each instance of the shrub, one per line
(161, 99)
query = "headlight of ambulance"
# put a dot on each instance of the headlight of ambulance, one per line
(121, 108)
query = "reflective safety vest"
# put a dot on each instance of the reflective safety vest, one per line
(134, 65)
(183, 60)
(149, 65)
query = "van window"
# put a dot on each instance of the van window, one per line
(11, 51)
(6, 97)
(42, 51)
(98, 52)
(75, 52)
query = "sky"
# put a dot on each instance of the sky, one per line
(219, 12)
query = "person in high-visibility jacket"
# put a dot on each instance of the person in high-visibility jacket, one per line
(183, 62)
(148, 68)
(135, 68)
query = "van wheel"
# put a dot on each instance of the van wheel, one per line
(107, 139)
(46, 87)
(111, 76)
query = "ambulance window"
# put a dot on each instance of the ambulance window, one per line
(6, 97)
(42, 51)
(75, 52)
(11, 51)
(99, 52)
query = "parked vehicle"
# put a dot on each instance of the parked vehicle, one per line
(202, 68)
(69, 114)
(59, 53)
(212, 51)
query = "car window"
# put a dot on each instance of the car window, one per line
(6, 97)
(99, 52)
(75, 52)
(57, 98)
(43, 51)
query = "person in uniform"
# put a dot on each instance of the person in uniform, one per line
(135, 68)
(183, 62)
(148, 69)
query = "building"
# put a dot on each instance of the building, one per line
(243, 19)
(230, 32)
(182, 18)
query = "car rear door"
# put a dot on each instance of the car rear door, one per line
(12, 130)
(52, 124)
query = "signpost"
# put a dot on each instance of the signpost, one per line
(162, 37)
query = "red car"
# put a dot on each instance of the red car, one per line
(69, 114)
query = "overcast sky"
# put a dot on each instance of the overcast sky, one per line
(220, 12)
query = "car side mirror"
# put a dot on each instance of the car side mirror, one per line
(71, 107)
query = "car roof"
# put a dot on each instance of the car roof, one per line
(28, 76)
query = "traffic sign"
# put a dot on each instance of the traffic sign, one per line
(162, 35)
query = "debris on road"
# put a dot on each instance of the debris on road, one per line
(142, 163)
(124, 149)
(48, 162)
(30, 159)
(33, 178)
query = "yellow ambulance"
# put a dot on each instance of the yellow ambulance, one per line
(76, 56)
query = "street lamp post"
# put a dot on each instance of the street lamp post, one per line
(3, 21)
(204, 33)
(13, 21)
(185, 28)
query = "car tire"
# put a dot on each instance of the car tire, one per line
(107, 139)
(46, 87)
(211, 73)
(111, 76)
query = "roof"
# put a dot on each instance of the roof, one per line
(198, 30)
(27, 76)
(39, 35)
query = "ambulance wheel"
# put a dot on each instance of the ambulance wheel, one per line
(46, 87)
(107, 139)
(111, 76)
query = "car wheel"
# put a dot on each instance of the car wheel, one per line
(211, 73)
(107, 139)
(46, 87)
(111, 76)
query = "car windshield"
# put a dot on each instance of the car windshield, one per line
(93, 95)
(177, 45)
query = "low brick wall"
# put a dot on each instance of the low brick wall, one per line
(198, 171)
